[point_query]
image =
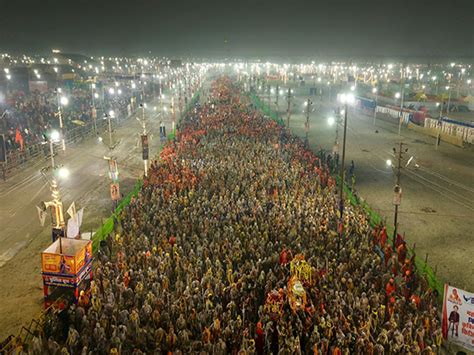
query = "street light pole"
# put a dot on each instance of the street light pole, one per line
(449, 99)
(288, 111)
(398, 192)
(402, 96)
(306, 126)
(342, 171)
(94, 112)
(60, 116)
(376, 92)
(145, 161)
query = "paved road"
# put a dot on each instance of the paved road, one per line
(21, 236)
(437, 211)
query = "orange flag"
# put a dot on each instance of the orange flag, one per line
(19, 138)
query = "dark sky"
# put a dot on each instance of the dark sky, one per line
(253, 28)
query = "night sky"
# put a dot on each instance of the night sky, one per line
(270, 29)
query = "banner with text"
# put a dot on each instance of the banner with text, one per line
(458, 316)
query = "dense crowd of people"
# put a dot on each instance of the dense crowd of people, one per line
(26, 119)
(235, 245)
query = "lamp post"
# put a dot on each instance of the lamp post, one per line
(62, 101)
(93, 109)
(109, 117)
(53, 137)
(449, 99)
(440, 124)
(400, 115)
(288, 111)
(376, 92)
(397, 189)
(144, 141)
(56, 204)
(345, 99)
(306, 126)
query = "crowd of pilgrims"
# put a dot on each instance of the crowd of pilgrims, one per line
(26, 119)
(207, 244)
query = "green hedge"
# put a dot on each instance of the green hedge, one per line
(108, 225)
(190, 105)
(265, 109)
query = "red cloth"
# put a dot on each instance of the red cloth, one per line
(383, 237)
(19, 138)
(389, 289)
(283, 257)
(260, 339)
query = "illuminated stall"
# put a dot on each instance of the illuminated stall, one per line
(66, 263)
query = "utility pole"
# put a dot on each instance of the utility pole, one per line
(277, 95)
(400, 118)
(342, 171)
(306, 126)
(144, 138)
(269, 90)
(61, 101)
(93, 109)
(109, 119)
(397, 190)
(288, 110)
(440, 126)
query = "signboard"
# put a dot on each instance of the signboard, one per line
(114, 191)
(113, 170)
(458, 316)
(144, 146)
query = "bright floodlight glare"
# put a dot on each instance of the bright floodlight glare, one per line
(111, 113)
(63, 173)
(100, 139)
(353, 87)
(397, 95)
(64, 100)
(388, 162)
(96, 95)
(8, 76)
(374, 90)
(347, 98)
(469, 81)
(331, 121)
(447, 87)
(437, 104)
(134, 86)
(54, 136)
(119, 92)
(6, 70)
